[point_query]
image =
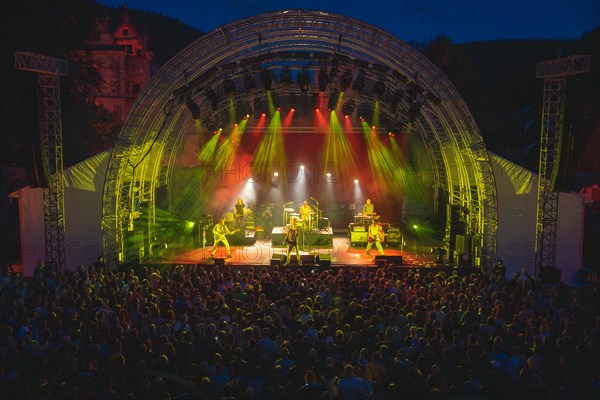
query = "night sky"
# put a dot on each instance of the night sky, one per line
(462, 21)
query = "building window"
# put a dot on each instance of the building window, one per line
(136, 88)
(129, 49)
(125, 32)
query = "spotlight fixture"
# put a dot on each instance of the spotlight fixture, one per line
(250, 180)
(249, 82)
(213, 99)
(303, 81)
(356, 181)
(302, 167)
(210, 125)
(348, 107)
(378, 89)
(229, 87)
(328, 174)
(323, 79)
(345, 80)
(285, 78)
(266, 79)
(194, 108)
(333, 98)
(276, 174)
(359, 83)
(395, 100)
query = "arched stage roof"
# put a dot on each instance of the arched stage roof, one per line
(146, 149)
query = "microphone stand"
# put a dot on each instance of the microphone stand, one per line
(318, 213)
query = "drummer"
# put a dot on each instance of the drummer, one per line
(368, 208)
(306, 212)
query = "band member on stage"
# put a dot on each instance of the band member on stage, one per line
(220, 232)
(238, 213)
(369, 208)
(291, 239)
(305, 213)
(268, 222)
(375, 235)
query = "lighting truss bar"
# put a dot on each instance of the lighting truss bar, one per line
(49, 70)
(554, 73)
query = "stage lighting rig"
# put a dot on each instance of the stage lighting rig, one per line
(348, 107)
(323, 79)
(333, 98)
(345, 80)
(194, 108)
(303, 81)
(266, 79)
(229, 87)
(378, 89)
(395, 100)
(359, 83)
(285, 78)
(213, 99)
(249, 83)
(414, 111)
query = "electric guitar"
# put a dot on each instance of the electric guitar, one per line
(222, 235)
(372, 238)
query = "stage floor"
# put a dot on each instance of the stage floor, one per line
(263, 251)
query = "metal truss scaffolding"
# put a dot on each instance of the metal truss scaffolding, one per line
(49, 70)
(309, 42)
(554, 73)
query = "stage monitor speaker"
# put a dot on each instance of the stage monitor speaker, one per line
(323, 223)
(550, 275)
(323, 260)
(394, 260)
(307, 259)
(277, 259)
(464, 244)
(220, 262)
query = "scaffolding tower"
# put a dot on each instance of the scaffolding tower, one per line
(49, 70)
(554, 73)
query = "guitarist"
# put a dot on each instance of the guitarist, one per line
(374, 235)
(291, 239)
(238, 213)
(220, 232)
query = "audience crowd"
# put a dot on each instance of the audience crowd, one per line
(254, 333)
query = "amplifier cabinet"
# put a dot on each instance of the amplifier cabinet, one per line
(358, 238)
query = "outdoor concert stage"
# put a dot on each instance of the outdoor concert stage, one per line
(341, 252)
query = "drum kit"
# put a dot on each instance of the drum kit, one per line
(308, 222)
